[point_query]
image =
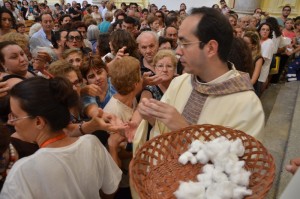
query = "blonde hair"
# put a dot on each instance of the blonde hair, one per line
(255, 40)
(62, 68)
(18, 38)
(70, 51)
(124, 73)
(165, 53)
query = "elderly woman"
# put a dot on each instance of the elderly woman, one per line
(74, 56)
(92, 35)
(40, 109)
(165, 66)
(41, 58)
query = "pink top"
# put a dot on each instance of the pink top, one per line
(289, 34)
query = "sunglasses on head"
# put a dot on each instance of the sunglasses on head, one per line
(71, 38)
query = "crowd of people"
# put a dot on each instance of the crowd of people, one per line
(87, 85)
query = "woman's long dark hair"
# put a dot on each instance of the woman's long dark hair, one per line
(275, 25)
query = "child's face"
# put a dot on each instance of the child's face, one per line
(21, 29)
(155, 25)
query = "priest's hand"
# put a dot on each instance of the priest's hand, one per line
(167, 114)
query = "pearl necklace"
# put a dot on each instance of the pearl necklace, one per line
(12, 158)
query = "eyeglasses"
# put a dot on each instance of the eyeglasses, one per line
(14, 119)
(184, 45)
(77, 38)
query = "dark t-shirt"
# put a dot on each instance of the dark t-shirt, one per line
(74, 12)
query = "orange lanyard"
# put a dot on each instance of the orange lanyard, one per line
(52, 140)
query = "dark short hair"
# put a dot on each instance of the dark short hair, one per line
(286, 6)
(121, 14)
(18, 25)
(64, 16)
(130, 20)
(213, 25)
(162, 40)
(50, 99)
(74, 30)
(145, 10)
(166, 28)
(46, 13)
(170, 20)
(256, 9)
(78, 24)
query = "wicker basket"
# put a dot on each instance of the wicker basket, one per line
(156, 172)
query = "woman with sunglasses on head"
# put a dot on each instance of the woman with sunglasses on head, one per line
(41, 110)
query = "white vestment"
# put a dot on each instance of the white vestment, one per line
(242, 110)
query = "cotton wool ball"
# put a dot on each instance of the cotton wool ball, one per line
(241, 178)
(212, 192)
(202, 157)
(208, 169)
(193, 160)
(185, 157)
(225, 189)
(219, 176)
(213, 148)
(205, 179)
(236, 168)
(241, 192)
(225, 146)
(227, 162)
(188, 190)
(201, 195)
(237, 147)
(195, 146)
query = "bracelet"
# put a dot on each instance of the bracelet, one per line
(80, 128)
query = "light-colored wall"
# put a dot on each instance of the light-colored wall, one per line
(274, 7)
